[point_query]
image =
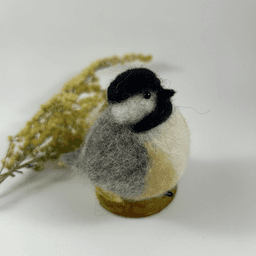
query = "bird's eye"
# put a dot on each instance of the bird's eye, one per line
(147, 95)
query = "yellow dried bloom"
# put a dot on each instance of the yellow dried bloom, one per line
(63, 120)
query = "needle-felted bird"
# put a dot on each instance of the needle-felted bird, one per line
(138, 147)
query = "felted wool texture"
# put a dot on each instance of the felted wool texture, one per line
(168, 146)
(113, 158)
(160, 176)
(136, 163)
(134, 109)
(71, 159)
(173, 137)
(136, 82)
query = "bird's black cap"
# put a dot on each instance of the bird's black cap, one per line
(132, 82)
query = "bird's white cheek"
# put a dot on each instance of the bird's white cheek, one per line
(147, 105)
(135, 112)
(120, 113)
(127, 113)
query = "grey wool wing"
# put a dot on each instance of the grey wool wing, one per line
(113, 158)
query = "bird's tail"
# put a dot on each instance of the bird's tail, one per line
(71, 158)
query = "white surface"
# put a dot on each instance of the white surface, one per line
(206, 50)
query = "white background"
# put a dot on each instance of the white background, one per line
(206, 51)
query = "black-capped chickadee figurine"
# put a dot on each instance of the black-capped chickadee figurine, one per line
(139, 146)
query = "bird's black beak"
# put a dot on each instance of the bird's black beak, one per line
(166, 93)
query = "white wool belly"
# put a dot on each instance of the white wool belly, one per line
(173, 137)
